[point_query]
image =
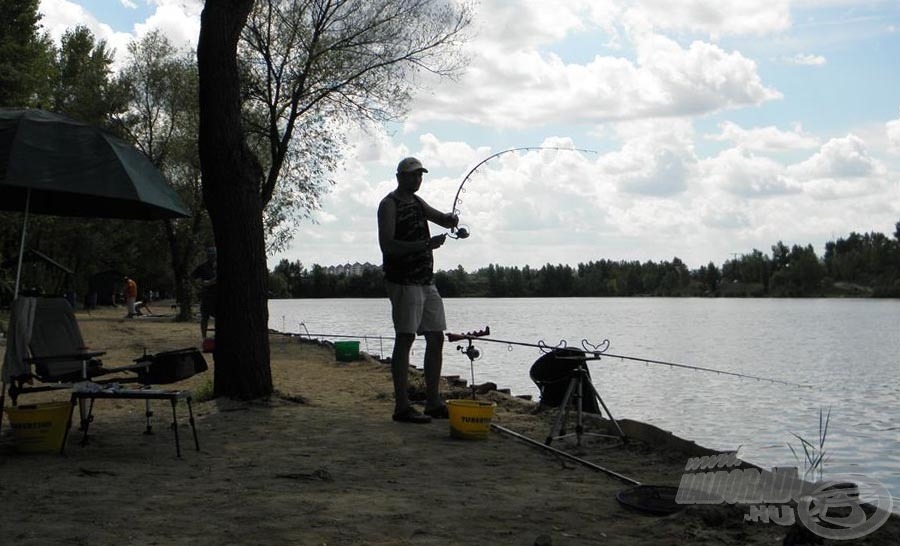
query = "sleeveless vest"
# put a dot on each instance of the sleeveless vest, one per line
(416, 267)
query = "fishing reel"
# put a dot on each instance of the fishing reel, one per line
(461, 232)
(471, 351)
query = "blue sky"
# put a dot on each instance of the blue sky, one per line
(721, 126)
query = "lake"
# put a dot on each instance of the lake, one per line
(847, 350)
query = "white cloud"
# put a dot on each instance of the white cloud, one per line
(845, 157)
(458, 154)
(128, 4)
(892, 128)
(62, 15)
(805, 59)
(526, 88)
(765, 139)
(715, 19)
(178, 20)
(842, 168)
(740, 173)
(527, 23)
(656, 158)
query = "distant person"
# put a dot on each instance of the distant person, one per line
(416, 306)
(130, 296)
(206, 273)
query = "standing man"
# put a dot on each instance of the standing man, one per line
(130, 296)
(206, 273)
(416, 307)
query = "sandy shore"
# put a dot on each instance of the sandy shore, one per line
(322, 463)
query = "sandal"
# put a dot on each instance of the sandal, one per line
(440, 412)
(410, 415)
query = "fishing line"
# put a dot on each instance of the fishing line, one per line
(462, 232)
(589, 351)
(598, 351)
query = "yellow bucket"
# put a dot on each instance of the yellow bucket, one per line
(470, 419)
(39, 428)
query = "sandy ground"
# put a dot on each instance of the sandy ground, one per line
(321, 462)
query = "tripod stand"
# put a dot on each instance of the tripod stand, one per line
(579, 386)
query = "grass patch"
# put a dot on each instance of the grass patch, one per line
(204, 393)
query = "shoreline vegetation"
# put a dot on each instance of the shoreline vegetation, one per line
(321, 462)
(857, 266)
(864, 266)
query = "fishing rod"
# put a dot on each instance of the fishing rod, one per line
(589, 351)
(566, 455)
(599, 351)
(462, 232)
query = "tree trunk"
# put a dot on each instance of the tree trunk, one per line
(231, 187)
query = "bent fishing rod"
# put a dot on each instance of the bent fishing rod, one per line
(462, 232)
(589, 351)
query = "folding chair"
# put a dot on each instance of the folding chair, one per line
(55, 356)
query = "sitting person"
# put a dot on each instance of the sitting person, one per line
(141, 306)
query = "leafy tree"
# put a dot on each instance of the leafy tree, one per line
(293, 273)
(84, 89)
(801, 275)
(312, 66)
(278, 285)
(26, 55)
(161, 112)
(446, 284)
(780, 256)
(354, 57)
(711, 277)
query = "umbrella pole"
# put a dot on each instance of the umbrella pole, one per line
(22, 243)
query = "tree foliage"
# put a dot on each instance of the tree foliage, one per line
(311, 67)
(857, 265)
(85, 89)
(79, 84)
(161, 115)
(26, 55)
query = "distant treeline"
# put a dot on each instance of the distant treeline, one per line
(865, 265)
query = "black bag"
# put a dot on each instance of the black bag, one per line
(552, 375)
(170, 366)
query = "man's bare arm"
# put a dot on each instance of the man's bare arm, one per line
(443, 219)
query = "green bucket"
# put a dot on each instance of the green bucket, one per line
(346, 351)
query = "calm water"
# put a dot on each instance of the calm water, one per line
(848, 350)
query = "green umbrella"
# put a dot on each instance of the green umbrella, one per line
(52, 164)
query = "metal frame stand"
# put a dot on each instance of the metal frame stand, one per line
(578, 383)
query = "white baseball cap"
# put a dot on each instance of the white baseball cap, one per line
(410, 165)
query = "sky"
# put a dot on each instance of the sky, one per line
(715, 127)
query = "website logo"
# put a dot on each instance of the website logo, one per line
(840, 507)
